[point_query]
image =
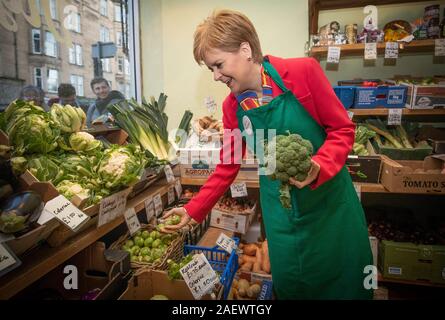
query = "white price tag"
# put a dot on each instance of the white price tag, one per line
(6, 258)
(169, 174)
(178, 188)
(395, 117)
(371, 51)
(171, 195)
(199, 276)
(158, 204)
(112, 207)
(358, 190)
(132, 221)
(226, 243)
(350, 115)
(439, 48)
(149, 208)
(334, 55)
(210, 104)
(392, 50)
(238, 190)
(66, 212)
(194, 157)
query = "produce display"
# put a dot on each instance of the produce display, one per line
(48, 145)
(207, 127)
(292, 156)
(173, 267)
(235, 205)
(243, 289)
(402, 232)
(146, 124)
(19, 211)
(362, 135)
(148, 247)
(255, 257)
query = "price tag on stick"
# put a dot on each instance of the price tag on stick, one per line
(392, 50)
(371, 51)
(66, 212)
(112, 207)
(158, 204)
(169, 174)
(226, 243)
(395, 117)
(238, 190)
(149, 208)
(171, 195)
(334, 55)
(439, 48)
(132, 221)
(178, 188)
(199, 276)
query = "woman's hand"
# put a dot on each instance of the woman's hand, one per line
(311, 177)
(185, 220)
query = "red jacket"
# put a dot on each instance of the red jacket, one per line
(306, 79)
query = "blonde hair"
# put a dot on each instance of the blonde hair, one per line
(226, 30)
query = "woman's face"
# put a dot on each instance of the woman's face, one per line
(231, 68)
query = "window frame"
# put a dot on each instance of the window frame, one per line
(103, 10)
(33, 33)
(77, 84)
(48, 80)
(53, 43)
(36, 77)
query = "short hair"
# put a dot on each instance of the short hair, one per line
(98, 80)
(226, 30)
(66, 90)
(32, 90)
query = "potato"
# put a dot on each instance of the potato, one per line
(253, 291)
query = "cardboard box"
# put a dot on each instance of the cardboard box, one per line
(418, 153)
(102, 271)
(408, 261)
(364, 168)
(384, 96)
(148, 283)
(424, 96)
(236, 222)
(414, 176)
(211, 235)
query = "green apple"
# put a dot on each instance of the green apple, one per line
(139, 241)
(148, 242)
(144, 251)
(156, 243)
(145, 234)
(129, 243)
(135, 250)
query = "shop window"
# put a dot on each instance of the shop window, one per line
(77, 82)
(50, 44)
(52, 80)
(38, 77)
(36, 41)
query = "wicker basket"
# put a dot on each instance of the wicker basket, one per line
(174, 251)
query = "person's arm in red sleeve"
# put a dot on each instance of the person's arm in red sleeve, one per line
(339, 128)
(221, 179)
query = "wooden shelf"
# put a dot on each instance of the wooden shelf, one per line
(365, 187)
(405, 112)
(44, 259)
(410, 282)
(358, 49)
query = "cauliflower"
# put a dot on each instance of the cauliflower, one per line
(292, 156)
(83, 142)
(69, 189)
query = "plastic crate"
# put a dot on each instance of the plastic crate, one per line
(383, 96)
(221, 261)
(346, 95)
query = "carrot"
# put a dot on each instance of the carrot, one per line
(259, 261)
(246, 258)
(265, 265)
(250, 249)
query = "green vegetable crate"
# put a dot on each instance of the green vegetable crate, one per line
(409, 261)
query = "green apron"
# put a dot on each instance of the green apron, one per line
(319, 248)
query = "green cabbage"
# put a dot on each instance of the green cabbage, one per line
(45, 168)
